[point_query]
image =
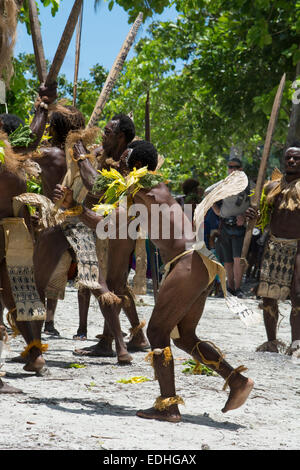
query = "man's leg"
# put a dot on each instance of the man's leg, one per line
(31, 331)
(84, 297)
(295, 312)
(230, 277)
(270, 315)
(49, 323)
(4, 387)
(117, 274)
(176, 296)
(208, 354)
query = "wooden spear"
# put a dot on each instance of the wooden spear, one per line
(77, 55)
(37, 42)
(64, 43)
(68, 181)
(255, 200)
(62, 47)
(153, 253)
(114, 73)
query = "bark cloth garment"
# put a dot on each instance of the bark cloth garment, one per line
(279, 255)
(59, 279)
(212, 265)
(277, 268)
(83, 241)
(19, 262)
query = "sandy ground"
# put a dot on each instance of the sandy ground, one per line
(87, 408)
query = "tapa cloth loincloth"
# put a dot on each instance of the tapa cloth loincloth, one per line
(82, 240)
(277, 268)
(212, 265)
(59, 279)
(19, 262)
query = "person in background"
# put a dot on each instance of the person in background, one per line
(232, 232)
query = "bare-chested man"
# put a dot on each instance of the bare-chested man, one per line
(118, 132)
(280, 268)
(52, 160)
(180, 300)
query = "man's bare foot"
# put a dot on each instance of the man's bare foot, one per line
(138, 342)
(5, 388)
(136, 345)
(239, 392)
(35, 364)
(171, 414)
(101, 349)
(271, 346)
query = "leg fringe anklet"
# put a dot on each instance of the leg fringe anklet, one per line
(35, 343)
(162, 404)
(206, 361)
(136, 329)
(238, 370)
(109, 298)
(157, 352)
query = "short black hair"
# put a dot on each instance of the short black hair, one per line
(11, 122)
(296, 144)
(126, 126)
(63, 123)
(190, 185)
(143, 152)
(235, 160)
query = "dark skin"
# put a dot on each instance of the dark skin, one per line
(11, 185)
(47, 95)
(182, 307)
(284, 224)
(109, 311)
(119, 251)
(53, 164)
(180, 302)
(4, 387)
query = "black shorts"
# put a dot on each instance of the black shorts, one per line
(230, 243)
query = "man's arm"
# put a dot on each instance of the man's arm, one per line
(47, 96)
(88, 217)
(87, 172)
(217, 209)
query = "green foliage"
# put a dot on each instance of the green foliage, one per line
(148, 7)
(24, 11)
(195, 368)
(2, 151)
(21, 137)
(212, 76)
(34, 186)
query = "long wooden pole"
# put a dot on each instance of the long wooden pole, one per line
(153, 253)
(62, 47)
(64, 42)
(255, 201)
(108, 86)
(114, 73)
(37, 41)
(77, 55)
